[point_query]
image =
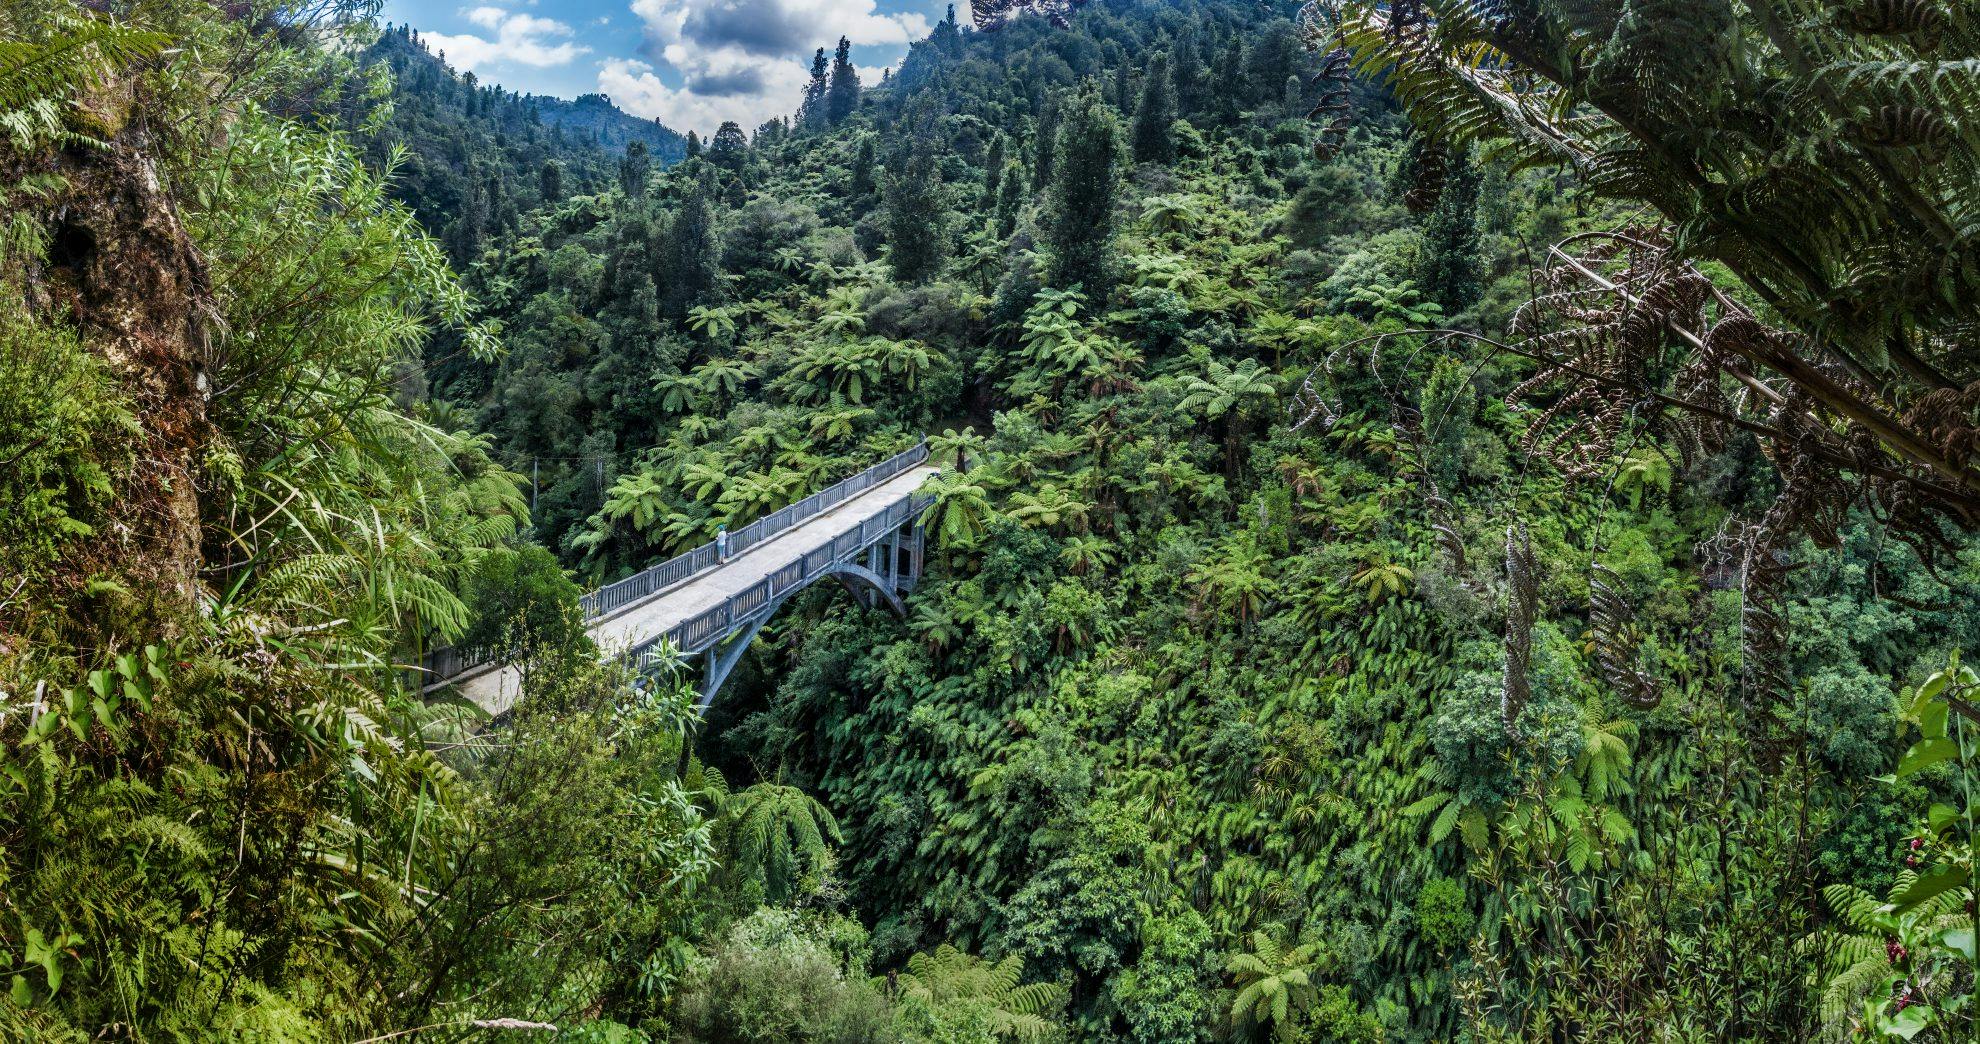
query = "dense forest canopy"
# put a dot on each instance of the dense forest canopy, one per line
(1455, 524)
(476, 158)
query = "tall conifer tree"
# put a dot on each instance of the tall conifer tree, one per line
(947, 36)
(811, 112)
(1042, 144)
(1157, 109)
(993, 168)
(917, 215)
(688, 263)
(1081, 223)
(862, 172)
(1186, 73)
(1010, 197)
(1230, 91)
(1450, 239)
(730, 146)
(634, 167)
(842, 95)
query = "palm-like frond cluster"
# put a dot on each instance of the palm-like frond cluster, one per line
(725, 460)
(991, 15)
(52, 53)
(1824, 155)
(951, 978)
(1279, 984)
(1867, 962)
(777, 829)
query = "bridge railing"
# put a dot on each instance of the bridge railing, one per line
(446, 662)
(699, 632)
(621, 593)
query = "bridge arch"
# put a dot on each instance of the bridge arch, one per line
(877, 563)
(868, 588)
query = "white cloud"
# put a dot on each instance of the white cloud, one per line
(741, 60)
(635, 87)
(519, 38)
(775, 27)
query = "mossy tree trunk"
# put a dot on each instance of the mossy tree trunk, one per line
(121, 268)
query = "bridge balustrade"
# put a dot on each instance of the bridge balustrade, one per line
(647, 582)
(711, 626)
(446, 662)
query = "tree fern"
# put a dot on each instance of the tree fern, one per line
(780, 831)
(950, 980)
(70, 52)
(1808, 153)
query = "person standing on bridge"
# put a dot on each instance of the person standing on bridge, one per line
(721, 543)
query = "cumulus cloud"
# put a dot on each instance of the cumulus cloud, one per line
(745, 93)
(518, 38)
(742, 60)
(777, 28)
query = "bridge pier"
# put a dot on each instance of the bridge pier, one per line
(917, 555)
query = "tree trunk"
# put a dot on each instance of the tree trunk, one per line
(121, 268)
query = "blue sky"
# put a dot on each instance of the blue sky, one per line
(691, 63)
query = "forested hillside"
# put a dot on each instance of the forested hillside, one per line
(1422, 553)
(472, 159)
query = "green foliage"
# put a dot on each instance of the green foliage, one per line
(916, 212)
(773, 977)
(1676, 99)
(1443, 915)
(1337, 1017)
(951, 996)
(1275, 985)
(1079, 220)
(1905, 966)
(66, 427)
(1450, 241)
(779, 830)
(522, 603)
(1150, 134)
(687, 253)
(1210, 724)
(842, 92)
(1180, 673)
(477, 157)
(232, 823)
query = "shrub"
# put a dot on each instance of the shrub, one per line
(1442, 917)
(774, 977)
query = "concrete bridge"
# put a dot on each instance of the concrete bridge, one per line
(864, 532)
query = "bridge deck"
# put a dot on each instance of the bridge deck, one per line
(496, 689)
